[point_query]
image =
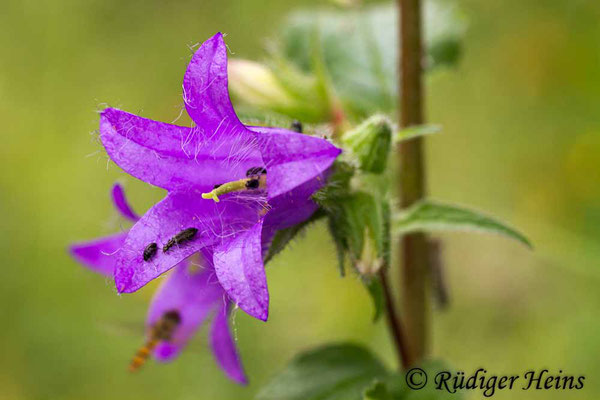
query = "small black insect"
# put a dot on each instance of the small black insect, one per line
(297, 126)
(217, 185)
(183, 236)
(252, 183)
(254, 171)
(150, 251)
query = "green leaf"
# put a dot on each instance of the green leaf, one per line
(416, 131)
(397, 385)
(332, 372)
(359, 49)
(428, 216)
(377, 391)
(284, 236)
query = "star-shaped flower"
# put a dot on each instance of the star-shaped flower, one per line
(191, 294)
(230, 186)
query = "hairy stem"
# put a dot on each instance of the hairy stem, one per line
(413, 247)
(394, 322)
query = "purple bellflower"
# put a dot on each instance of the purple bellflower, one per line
(192, 292)
(230, 186)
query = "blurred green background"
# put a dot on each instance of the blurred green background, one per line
(522, 140)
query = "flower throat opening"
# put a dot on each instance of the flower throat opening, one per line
(256, 178)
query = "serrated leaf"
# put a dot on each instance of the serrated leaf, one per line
(417, 131)
(429, 216)
(332, 372)
(359, 48)
(284, 236)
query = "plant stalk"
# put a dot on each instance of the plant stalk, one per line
(411, 185)
(393, 321)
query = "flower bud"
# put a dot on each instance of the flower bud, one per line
(370, 142)
(255, 84)
(283, 89)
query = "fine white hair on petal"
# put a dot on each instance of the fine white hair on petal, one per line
(181, 110)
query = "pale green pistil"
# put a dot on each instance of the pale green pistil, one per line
(246, 184)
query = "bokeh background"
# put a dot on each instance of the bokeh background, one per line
(521, 114)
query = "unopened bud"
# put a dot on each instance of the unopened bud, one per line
(370, 142)
(282, 89)
(255, 84)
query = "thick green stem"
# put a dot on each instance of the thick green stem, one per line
(413, 248)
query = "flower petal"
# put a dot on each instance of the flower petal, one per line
(121, 204)
(239, 267)
(99, 255)
(205, 86)
(294, 206)
(174, 157)
(224, 348)
(175, 213)
(292, 158)
(206, 98)
(193, 295)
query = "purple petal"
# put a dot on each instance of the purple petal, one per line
(239, 267)
(295, 206)
(292, 158)
(121, 204)
(175, 157)
(206, 98)
(175, 213)
(289, 209)
(268, 232)
(224, 348)
(99, 255)
(194, 295)
(205, 89)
